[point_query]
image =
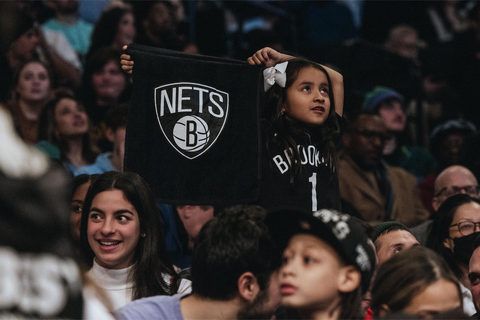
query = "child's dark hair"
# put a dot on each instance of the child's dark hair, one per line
(288, 133)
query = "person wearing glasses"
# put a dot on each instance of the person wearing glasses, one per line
(376, 191)
(398, 149)
(455, 226)
(451, 181)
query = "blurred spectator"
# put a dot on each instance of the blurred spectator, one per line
(397, 151)
(32, 90)
(65, 132)
(80, 185)
(390, 238)
(115, 123)
(158, 22)
(448, 147)
(474, 276)
(67, 21)
(453, 231)
(445, 19)
(377, 191)
(415, 282)
(115, 28)
(404, 41)
(104, 83)
(40, 278)
(466, 68)
(90, 11)
(336, 25)
(451, 181)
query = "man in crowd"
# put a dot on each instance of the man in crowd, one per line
(378, 192)
(233, 273)
(391, 237)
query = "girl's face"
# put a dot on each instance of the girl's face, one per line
(33, 83)
(466, 212)
(71, 118)
(310, 274)
(438, 297)
(307, 99)
(109, 82)
(76, 210)
(113, 229)
(126, 30)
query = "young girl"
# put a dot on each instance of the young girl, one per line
(327, 263)
(299, 127)
(121, 237)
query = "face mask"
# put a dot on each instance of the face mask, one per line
(463, 248)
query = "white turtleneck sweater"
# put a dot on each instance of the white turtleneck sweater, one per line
(117, 286)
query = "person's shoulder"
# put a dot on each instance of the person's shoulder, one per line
(157, 307)
(399, 172)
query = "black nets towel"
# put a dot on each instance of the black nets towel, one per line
(193, 127)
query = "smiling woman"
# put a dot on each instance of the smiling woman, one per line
(120, 236)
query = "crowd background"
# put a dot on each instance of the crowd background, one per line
(411, 73)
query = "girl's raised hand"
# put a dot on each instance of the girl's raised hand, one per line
(127, 64)
(268, 56)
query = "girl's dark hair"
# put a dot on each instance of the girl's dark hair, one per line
(18, 71)
(48, 130)
(439, 230)
(151, 256)
(106, 29)
(288, 133)
(407, 274)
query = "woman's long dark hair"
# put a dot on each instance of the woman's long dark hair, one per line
(439, 230)
(288, 133)
(106, 29)
(48, 130)
(151, 256)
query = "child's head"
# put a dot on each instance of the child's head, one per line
(327, 261)
(307, 97)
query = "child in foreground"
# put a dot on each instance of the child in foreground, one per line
(327, 263)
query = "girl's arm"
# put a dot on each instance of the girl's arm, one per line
(270, 57)
(127, 64)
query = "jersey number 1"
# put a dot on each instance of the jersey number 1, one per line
(313, 180)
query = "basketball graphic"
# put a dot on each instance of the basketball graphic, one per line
(191, 133)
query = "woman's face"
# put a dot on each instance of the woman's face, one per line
(441, 296)
(70, 118)
(113, 229)
(33, 83)
(109, 82)
(76, 210)
(466, 212)
(126, 31)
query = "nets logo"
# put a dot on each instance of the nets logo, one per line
(191, 116)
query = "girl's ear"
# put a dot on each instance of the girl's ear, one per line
(349, 279)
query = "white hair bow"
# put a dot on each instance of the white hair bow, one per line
(275, 74)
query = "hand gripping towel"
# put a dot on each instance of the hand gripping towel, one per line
(193, 127)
